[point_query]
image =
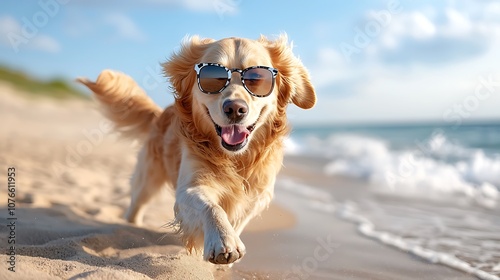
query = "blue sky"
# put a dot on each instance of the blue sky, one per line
(370, 61)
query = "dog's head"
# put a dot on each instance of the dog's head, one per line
(229, 89)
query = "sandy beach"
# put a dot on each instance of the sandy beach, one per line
(71, 190)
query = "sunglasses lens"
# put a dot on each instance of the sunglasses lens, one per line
(212, 78)
(259, 81)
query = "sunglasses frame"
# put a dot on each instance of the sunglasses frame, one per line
(200, 66)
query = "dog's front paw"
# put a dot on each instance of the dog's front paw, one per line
(223, 249)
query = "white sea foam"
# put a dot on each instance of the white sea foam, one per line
(432, 168)
(462, 236)
(321, 200)
(292, 147)
(348, 212)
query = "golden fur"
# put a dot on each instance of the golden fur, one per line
(217, 191)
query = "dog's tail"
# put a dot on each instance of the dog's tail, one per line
(124, 103)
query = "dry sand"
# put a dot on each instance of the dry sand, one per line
(72, 190)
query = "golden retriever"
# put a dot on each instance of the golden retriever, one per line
(220, 145)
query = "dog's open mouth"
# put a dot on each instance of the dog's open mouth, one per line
(234, 137)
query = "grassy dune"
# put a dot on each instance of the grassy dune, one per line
(56, 88)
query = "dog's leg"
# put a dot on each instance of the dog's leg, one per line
(198, 213)
(147, 181)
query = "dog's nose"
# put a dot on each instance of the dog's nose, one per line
(235, 110)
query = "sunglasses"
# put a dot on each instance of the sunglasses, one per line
(213, 78)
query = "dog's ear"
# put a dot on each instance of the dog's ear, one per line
(293, 80)
(179, 69)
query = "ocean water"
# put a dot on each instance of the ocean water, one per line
(434, 189)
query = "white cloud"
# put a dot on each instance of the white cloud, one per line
(421, 65)
(458, 23)
(415, 25)
(119, 27)
(13, 35)
(330, 67)
(390, 95)
(45, 43)
(8, 24)
(439, 37)
(492, 11)
(420, 26)
(125, 28)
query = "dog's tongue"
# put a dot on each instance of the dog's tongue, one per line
(234, 134)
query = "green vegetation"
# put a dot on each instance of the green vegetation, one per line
(56, 88)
